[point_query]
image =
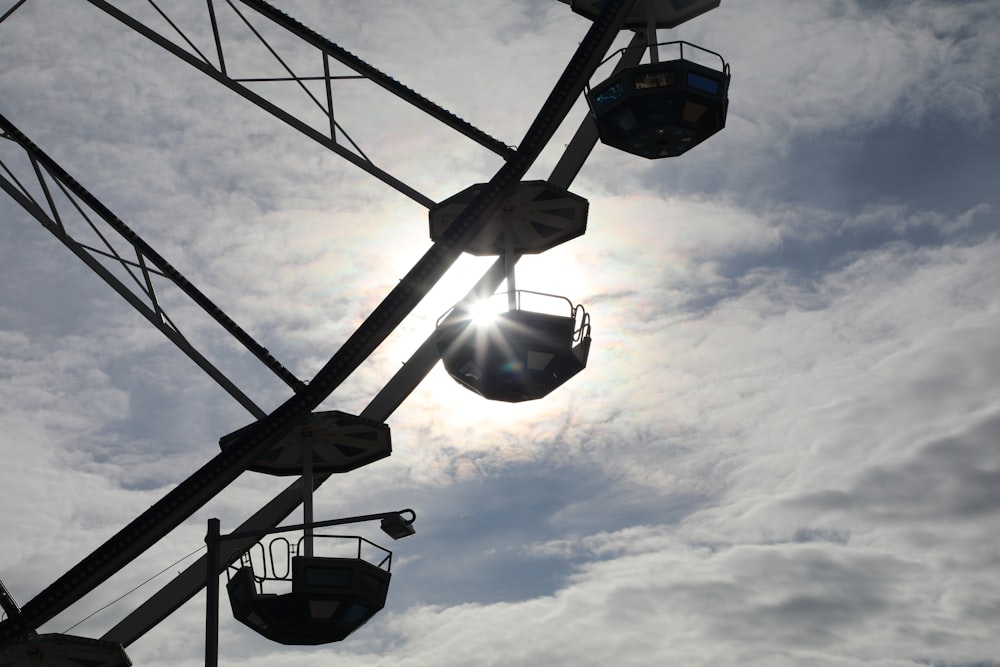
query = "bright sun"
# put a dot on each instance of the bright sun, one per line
(484, 312)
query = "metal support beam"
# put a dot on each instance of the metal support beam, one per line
(171, 333)
(192, 579)
(192, 493)
(328, 50)
(265, 104)
(380, 78)
(147, 305)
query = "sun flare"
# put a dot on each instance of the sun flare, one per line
(484, 312)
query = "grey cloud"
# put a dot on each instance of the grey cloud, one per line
(782, 453)
(807, 596)
(955, 479)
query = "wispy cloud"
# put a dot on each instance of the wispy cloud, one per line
(783, 451)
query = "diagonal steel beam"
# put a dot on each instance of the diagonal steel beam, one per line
(191, 580)
(380, 78)
(265, 104)
(192, 493)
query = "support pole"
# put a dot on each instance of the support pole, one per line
(509, 259)
(654, 50)
(307, 499)
(212, 595)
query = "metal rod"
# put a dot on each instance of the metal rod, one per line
(654, 50)
(143, 309)
(12, 10)
(362, 518)
(215, 34)
(307, 499)
(380, 78)
(69, 185)
(265, 104)
(212, 540)
(509, 259)
(329, 96)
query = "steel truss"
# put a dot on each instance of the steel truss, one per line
(331, 133)
(148, 267)
(118, 255)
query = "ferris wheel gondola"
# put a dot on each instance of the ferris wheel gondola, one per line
(662, 109)
(518, 354)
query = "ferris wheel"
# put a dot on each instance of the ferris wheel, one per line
(659, 100)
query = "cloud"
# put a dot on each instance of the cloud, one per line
(688, 603)
(782, 451)
(867, 65)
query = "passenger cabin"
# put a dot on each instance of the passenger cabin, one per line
(661, 109)
(519, 355)
(330, 597)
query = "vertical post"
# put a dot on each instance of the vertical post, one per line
(307, 498)
(218, 40)
(212, 595)
(509, 260)
(654, 50)
(329, 96)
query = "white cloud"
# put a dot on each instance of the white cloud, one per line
(841, 67)
(782, 452)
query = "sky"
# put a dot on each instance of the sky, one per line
(785, 449)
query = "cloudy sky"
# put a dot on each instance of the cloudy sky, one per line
(785, 449)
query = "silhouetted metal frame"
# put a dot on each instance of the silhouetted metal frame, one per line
(191, 580)
(167, 513)
(327, 49)
(141, 295)
(214, 563)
